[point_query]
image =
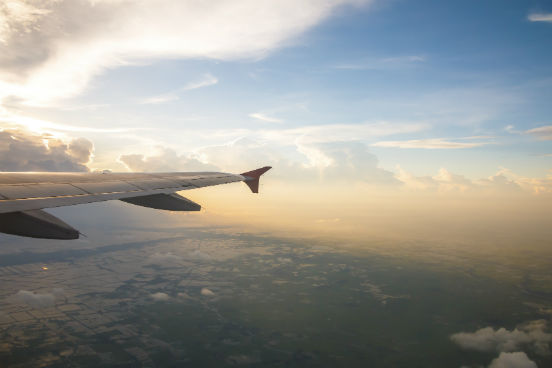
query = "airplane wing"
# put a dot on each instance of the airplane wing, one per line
(24, 195)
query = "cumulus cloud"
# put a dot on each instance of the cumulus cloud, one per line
(160, 297)
(339, 161)
(351, 160)
(36, 300)
(207, 292)
(64, 43)
(21, 150)
(166, 160)
(543, 133)
(532, 335)
(335, 161)
(513, 360)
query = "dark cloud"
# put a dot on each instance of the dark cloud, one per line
(24, 151)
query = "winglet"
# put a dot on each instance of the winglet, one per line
(252, 178)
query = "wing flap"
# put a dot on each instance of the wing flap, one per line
(38, 191)
(148, 184)
(106, 187)
(36, 224)
(32, 191)
(170, 202)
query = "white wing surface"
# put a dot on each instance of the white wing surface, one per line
(24, 195)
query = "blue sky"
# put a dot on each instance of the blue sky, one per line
(454, 84)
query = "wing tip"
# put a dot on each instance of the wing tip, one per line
(252, 177)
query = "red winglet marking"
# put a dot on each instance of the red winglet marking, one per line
(252, 178)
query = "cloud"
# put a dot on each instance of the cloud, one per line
(340, 132)
(206, 81)
(540, 17)
(347, 160)
(435, 143)
(505, 177)
(36, 300)
(160, 297)
(198, 255)
(513, 360)
(21, 150)
(504, 181)
(543, 133)
(65, 43)
(164, 258)
(532, 334)
(263, 117)
(335, 161)
(391, 63)
(166, 160)
(159, 99)
(13, 121)
(207, 292)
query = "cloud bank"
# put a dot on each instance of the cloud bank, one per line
(21, 150)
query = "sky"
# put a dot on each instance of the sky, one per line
(368, 110)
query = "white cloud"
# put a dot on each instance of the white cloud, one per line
(36, 300)
(435, 143)
(543, 133)
(396, 62)
(513, 360)
(206, 81)
(540, 17)
(166, 160)
(340, 132)
(159, 99)
(161, 297)
(532, 334)
(263, 117)
(65, 43)
(10, 120)
(207, 292)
